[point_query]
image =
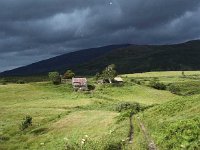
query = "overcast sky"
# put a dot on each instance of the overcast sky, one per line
(32, 30)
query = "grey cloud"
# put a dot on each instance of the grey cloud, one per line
(31, 30)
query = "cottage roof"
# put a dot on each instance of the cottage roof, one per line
(80, 81)
(119, 79)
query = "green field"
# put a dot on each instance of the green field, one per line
(63, 119)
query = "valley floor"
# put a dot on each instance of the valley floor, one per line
(64, 119)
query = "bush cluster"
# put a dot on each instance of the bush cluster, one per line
(174, 89)
(157, 85)
(136, 81)
(91, 87)
(69, 74)
(124, 106)
(55, 77)
(27, 121)
(20, 82)
(3, 81)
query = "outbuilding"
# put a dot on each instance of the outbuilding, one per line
(79, 83)
(118, 79)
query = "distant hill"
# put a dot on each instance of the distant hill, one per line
(63, 62)
(128, 59)
(143, 58)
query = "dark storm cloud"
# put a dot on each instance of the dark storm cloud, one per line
(31, 30)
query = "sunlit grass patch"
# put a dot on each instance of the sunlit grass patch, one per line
(163, 74)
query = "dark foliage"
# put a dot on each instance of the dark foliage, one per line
(20, 82)
(3, 81)
(91, 87)
(69, 74)
(174, 89)
(27, 121)
(97, 76)
(157, 85)
(4, 138)
(55, 77)
(136, 81)
(124, 106)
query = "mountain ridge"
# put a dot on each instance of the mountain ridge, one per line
(61, 62)
(128, 59)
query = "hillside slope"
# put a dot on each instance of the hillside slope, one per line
(137, 58)
(173, 124)
(63, 117)
(61, 63)
(128, 59)
(176, 122)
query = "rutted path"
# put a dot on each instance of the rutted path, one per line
(151, 144)
(131, 132)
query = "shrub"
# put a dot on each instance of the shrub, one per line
(157, 85)
(174, 89)
(124, 106)
(136, 81)
(69, 74)
(20, 82)
(127, 110)
(109, 73)
(27, 121)
(55, 77)
(91, 87)
(4, 138)
(97, 76)
(3, 82)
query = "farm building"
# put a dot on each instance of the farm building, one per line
(64, 81)
(79, 83)
(118, 79)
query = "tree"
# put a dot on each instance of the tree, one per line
(97, 76)
(3, 81)
(69, 74)
(109, 73)
(54, 77)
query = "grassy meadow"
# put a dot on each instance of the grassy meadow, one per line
(65, 119)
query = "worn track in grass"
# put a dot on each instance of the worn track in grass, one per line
(148, 139)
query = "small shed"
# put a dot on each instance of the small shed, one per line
(65, 81)
(79, 83)
(118, 79)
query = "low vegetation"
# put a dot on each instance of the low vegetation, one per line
(104, 118)
(174, 89)
(55, 77)
(69, 74)
(20, 82)
(3, 82)
(27, 121)
(157, 85)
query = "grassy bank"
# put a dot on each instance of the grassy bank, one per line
(64, 119)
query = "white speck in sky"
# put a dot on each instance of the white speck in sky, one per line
(110, 3)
